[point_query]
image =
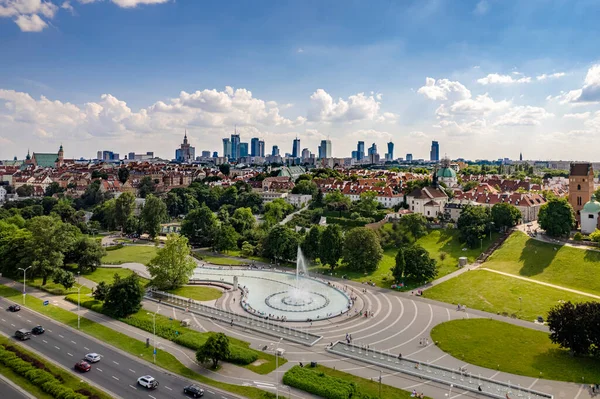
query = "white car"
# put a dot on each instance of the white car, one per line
(147, 382)
(92, 357)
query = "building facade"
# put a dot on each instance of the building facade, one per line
(325, 149)
(581, 186)
(296, 148)
(434, 154)
(185, 153)
(360, 151)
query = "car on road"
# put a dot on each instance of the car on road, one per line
(23, 334)
(37, 330)
(82, 365)
(194, 391)
(92, 357)
(14, 308)
(148, 382)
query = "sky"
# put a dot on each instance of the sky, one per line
(487, 79)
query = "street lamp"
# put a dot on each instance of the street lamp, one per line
(277, 369)
(379, 384)
(520, 303)
(78, 301)
(491, 227)
(154, 328)
(24, 281)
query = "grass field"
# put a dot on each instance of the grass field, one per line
(566, 266)
(484, 342)
(107, 274)
(435, 242)
(198, 293)
(133, 346)
(56, 289)
(491, 292)
(218, 260)
(131, 253)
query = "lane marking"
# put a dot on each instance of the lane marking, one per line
(132, 371)
(210, 392)
(100, 370)
(56, 347)
(74, 342)
(114, 377)
(12, 325)
(152, 396)
(86, 348)
(115, 363)
(60, 336)
(168, 388)
(3, 320)
(578, 393)
(533, 383)
(69, 354)
(28, 321)
(45, 341)
(133, 387)
(19, 316)
(49, 330)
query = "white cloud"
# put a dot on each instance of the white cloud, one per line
(482, 7)
(135, 3)
(31, 23)
(356, 108)
(589, 93)
(494, 78)
(371, 135)
(581, 115)
(482, 104)
(444, 89)
(550, 76)
(463, 129)
(523, 116)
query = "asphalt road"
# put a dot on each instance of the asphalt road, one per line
(9, 392)
(116, 373)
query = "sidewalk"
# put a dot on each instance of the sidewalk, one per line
(228, 373)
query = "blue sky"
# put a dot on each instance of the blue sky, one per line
(130, 76)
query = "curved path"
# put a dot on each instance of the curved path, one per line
(400, 324)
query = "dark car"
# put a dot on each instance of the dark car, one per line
(82, 366)
(14, 308)
(37, 330)
(194, 391)
(23, 334)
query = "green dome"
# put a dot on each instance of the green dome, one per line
(592, 206)
(447, 172)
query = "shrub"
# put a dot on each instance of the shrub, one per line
(578, 236)
(320, 384)
(114, 247)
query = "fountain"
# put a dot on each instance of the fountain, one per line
(280, 295)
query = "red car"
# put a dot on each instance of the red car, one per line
(82, 366)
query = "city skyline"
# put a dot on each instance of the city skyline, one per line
(324, 76)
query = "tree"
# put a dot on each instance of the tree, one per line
(101, 291)
(595, 236)
(48, 203)
(123, 174)
(276, 210)
(469, 185)
(25, 190)
(146, 186)
(173, 265)
(415, 224)
(505, 215)
(64, 210)
(88, 254)
(337, 201)
(229, 196)
(319, 200)
(225, 168)
(153, 214)
(307, 187)
(53, 188)
(362, 249)
(63, 277)
(124, 296)
(243, 220)
(367, 204)
(247, 249)
(473, 224)
(575, 326)
(250, 200)
(414, 263)
(311, 244)
(200, 226)
(281, 243)
(226, 238)
(14, 242)
(105, 214)
(214, 349)
(557, 217)
(331, 245)
(124, 206)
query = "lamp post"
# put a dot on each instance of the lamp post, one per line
(277, 369)
(78, 301)
(379, 384)
(154, 330)
(520, 303)
(491, 227)
(24, 281)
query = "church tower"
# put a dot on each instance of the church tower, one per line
(61, 156)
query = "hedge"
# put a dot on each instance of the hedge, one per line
(46, 381)
(114, 247)
(346, 222)
(237, 354)
(319, 383)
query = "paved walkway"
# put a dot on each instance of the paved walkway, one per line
(291, 215)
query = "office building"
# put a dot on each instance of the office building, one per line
(215, 154)
(243, 150)
(261, 148)
(355, 155)
(325, 149)
(99, 155)
(235, 146)
(227, 148)
(373, 149)
(107, 156)
(275, 151)
(296, 148)
(390, 154)
(409, 157)
(360, 151)
(434, 154)
(205, 154)
(306, 153)
(254, 151)
(185, 153)
(132, 156)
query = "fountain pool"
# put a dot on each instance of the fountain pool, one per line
(295, 296)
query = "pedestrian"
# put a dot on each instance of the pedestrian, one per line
(421, 342)
(426, 341)
(399, 355)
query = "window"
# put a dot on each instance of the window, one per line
(427, 213)
(579, 187)
(578, 200)
(590, 216)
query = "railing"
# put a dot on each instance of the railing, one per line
(459, 378)
(261, 325)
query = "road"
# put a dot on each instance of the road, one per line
(10, 392)
(116, 373)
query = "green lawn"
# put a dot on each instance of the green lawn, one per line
(566, 266)
(435, 242)
(107, 274)
(56, 289)
(130, 345)
(484, 342)
(218, 260)
(198, 293)
(131, 253)
(492, 292)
